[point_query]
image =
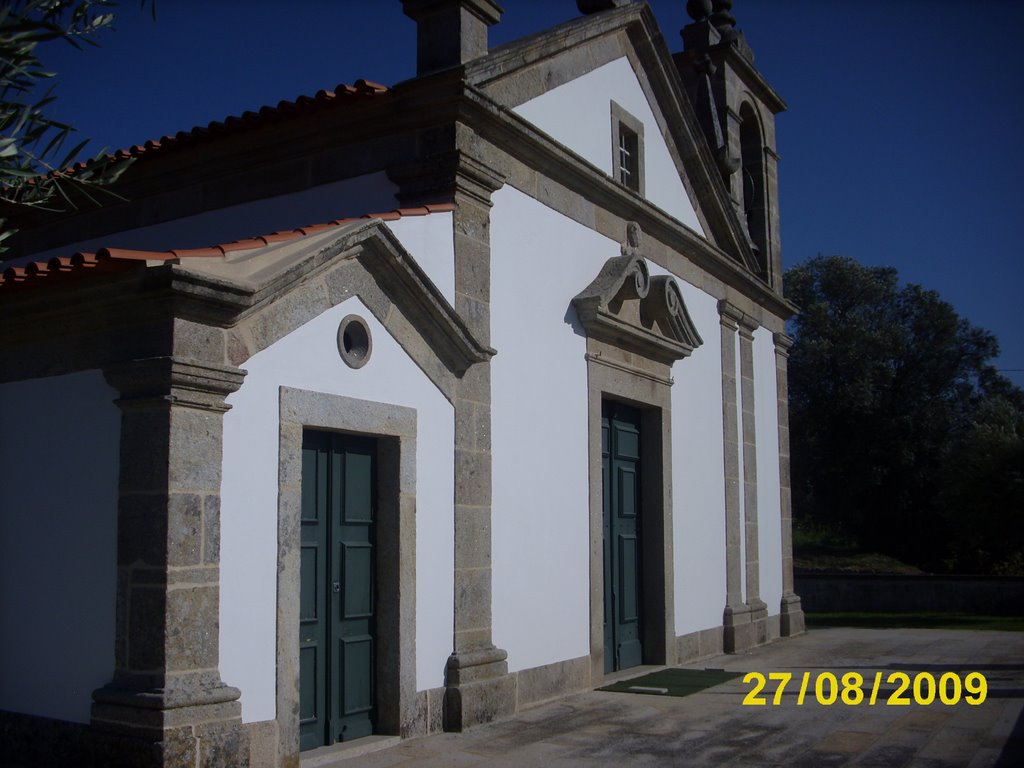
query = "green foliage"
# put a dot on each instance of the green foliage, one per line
(904, 437)
(33, 158)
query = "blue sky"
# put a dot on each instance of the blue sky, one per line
(901, 145)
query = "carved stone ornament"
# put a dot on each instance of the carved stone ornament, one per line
(628, 308)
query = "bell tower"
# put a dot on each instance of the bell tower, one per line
(736, 108)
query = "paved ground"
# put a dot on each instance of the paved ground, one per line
(713, 728)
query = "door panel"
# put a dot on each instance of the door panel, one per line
(336, 655)
(357, 578)
(620, 434)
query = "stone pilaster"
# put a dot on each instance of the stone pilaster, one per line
(771, 180)
(166, 704)
(738, 631)
(758, 608)
(479, 688)
(791, 615)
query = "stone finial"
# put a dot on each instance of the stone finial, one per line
(450, 33)
(723, 20)
(587, 7)
(699, 9)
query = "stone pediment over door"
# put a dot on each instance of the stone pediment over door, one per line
(627, 308)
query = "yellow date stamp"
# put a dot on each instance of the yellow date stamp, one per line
(851, 689)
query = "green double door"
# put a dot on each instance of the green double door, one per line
(623, 598)
(336, 624)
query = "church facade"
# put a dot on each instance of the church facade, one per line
(478, 396)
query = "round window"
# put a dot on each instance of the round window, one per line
(354, 342)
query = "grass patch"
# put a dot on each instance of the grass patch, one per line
(916, 621)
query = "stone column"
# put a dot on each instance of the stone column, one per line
(479, 688)
(166, 704)
(791, 618)
(738, 631)
(758, 608)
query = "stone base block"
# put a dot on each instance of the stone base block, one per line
(425, 716)
(791, 616)
(262, 744)
(552, 681)
(739, 637)
(26, 740)
(470, 704)
(759, 618)
(699, 645)
(738, 632)
(477, 664)
(170, 727)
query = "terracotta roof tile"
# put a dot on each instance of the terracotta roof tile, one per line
(60, 268)
(341, 96)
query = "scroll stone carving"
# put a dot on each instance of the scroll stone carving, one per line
(627, 307)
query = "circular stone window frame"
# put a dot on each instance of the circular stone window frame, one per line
(355, 343)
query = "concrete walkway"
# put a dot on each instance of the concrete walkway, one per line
(714, 728)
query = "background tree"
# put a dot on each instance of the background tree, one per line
(34, 161)
(905, 439)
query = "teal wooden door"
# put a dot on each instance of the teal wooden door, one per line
(623, 596)
(336, 616)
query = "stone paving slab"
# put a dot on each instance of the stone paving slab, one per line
(714, 728)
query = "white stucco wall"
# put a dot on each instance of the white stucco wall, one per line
(769, 512)
(578, 115)
(540, 499)
(432, 239)
(59, 452)
(308, 359)
(698, 472)
(371, 193)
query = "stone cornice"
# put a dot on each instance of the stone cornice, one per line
(783, 343)
(646, 42)
(729, 315)
(525, 143)
(748, 325)
(726, 52)
(377, 250)
(174, 380)
(441, 177)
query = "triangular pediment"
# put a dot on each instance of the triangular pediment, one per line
(271, 291)
(537, 67)
(627, 307)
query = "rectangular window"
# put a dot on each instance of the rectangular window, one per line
(629, 172)
(627, 149)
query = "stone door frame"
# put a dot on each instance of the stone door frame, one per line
(394, 427)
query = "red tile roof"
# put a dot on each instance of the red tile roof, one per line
(106, 260)
(342, 95)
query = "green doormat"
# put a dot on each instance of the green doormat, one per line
(673, 682)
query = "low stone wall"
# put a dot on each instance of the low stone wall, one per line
(980, 595)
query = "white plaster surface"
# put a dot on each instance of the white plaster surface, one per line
(578, 115)
(371, 193)
(432, 239)
(540, 499)
(698, 471)
(308, 359)
(769, 511)
(59, 450)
